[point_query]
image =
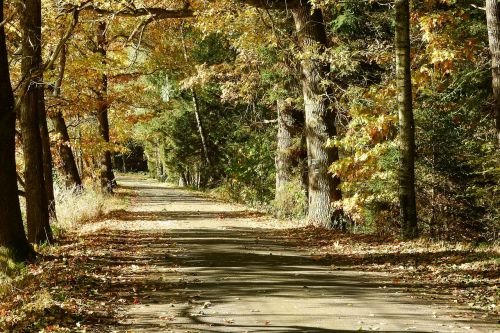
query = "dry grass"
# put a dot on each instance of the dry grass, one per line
(76, 208)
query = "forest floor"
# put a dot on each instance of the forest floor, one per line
(177, 261)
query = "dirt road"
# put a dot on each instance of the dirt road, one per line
(193, 264)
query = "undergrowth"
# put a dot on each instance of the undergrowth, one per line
(77, 206)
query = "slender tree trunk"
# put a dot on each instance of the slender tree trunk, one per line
(47, 154)
(107, 175)
(124, 164)
(493, 23)
(196, 107)
(159, 165)
(81, 160)
(407, 199)
(12, 234)
(319, 118)
(69, 169)
(188, 176)
(37, 211)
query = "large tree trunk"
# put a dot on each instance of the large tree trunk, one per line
(69, 169)
(493, 22)
(406, 122)
(319, 119)
(107, 175)
(12, 234)
(37, 212)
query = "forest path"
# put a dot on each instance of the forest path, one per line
(187, 263)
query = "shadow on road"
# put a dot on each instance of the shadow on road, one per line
(166, 277)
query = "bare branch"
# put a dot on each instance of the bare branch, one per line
(273, 4)
(20, 180)
(477, 7)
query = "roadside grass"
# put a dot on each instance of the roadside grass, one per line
(76, 207)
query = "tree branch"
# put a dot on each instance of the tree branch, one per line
(155, 12)
(273, 4)
(20, 180)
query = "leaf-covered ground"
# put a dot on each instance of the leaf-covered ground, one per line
(461, 273)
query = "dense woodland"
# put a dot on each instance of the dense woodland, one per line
(363, 116)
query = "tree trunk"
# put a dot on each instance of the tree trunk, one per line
(406, 175)
(159, 165)
(319, 118)
(47, 154)
(124, 163)
(37, 212)
(69, 169)
(289, 149)
(12, 234)
(493, 23)
(107, 175)
(196, 107)
(81, 160)
(283, 152)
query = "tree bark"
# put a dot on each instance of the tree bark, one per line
(406, 175)
(12, 234)
(47, 154)
(283, 152)
(288, 154)
(107, 175)
(493, 23)
(69, 169)
(319, 118)
(37, 212)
